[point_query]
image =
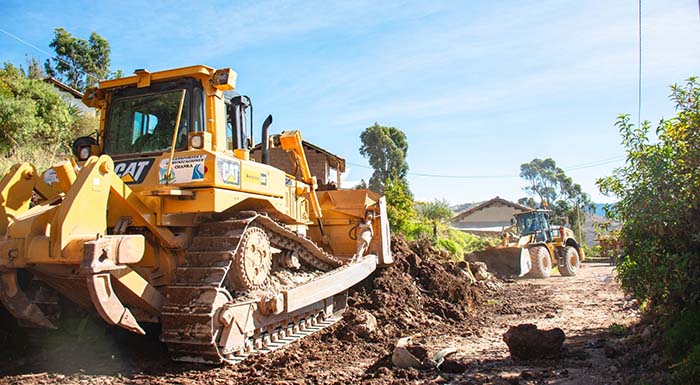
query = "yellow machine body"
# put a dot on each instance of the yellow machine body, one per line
(121, 231)
(533, 247)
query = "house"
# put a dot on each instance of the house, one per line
(325, 166)
(72, 96)
(487, 218)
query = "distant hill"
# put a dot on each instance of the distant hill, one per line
(461, 207)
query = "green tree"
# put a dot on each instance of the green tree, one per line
(437, 211)
(386, 149)
(399, 202)
(79, 63)
(31, 113)
(34, 70)
(659, 204)
(36, 124)
(361, 186)
(549, 183)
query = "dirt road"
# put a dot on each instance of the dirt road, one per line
(415, 297)
(584, 306)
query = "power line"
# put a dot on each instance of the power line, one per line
(19, 39)
(639, 85)
(581, 166)
(595, 164)
(28, 44)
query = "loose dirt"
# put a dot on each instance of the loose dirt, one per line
(417, 296)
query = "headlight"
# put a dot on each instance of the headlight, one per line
(84, 153)
(197, 141)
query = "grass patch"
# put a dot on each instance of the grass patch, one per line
(618, 330)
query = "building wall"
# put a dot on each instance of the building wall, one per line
(496, 214)
(75, 102)
(318, 164)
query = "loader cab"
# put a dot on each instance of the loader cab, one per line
(142, 120)
(536, 223)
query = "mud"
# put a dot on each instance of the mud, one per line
(419, 296)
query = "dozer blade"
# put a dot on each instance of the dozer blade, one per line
(504, 261)
(18, 304)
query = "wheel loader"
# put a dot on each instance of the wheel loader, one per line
(535, 249)
(163, 217)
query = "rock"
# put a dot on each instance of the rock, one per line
(464, 268)
(408, 355)
(527, 375)
(361, 323)
(480, 271)
(526, 342)
(453, 366)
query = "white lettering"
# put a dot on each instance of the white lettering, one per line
(141, 166)
(119, 169)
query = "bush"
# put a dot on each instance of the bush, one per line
(36, 124)
(414, 229)
(688, 370)
(682, 334)
(659, 206)
(399, 205)
(451, 246)
(659, 203)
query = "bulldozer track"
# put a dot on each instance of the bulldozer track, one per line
(303, 329)
(190, 326)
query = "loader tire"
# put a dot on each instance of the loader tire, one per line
(570, 262)
(541, 262)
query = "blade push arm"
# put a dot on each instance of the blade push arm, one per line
(290, 141)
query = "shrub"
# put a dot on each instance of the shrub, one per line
(414, 229)
(688, 370)
(659, 203)
(36, 124)
(682, 333)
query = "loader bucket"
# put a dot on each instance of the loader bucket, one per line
(504, 261)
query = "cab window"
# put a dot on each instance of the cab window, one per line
(146, 123)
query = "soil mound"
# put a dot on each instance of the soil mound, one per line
(419, 293)
(416, 290)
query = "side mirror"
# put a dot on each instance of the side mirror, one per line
(512, 221)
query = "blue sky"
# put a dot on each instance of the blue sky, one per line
(478, 87)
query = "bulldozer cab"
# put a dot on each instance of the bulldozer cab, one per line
(142, 120)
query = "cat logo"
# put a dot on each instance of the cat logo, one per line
(133, 171)
(230, 171)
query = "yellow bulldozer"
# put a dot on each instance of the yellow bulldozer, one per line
(163, 217)
(533, 248)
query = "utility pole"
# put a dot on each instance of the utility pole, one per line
(578, 219)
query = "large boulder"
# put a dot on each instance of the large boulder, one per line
(526, 342)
